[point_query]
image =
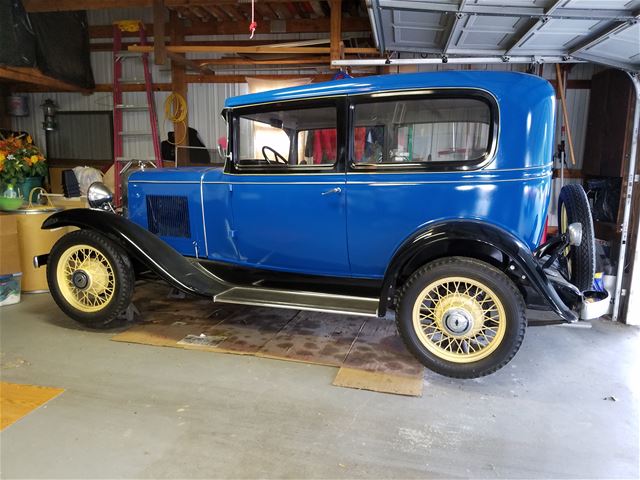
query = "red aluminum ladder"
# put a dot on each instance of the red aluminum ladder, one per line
(121, 162)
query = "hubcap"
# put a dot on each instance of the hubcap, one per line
(80, 279)
(459, 319)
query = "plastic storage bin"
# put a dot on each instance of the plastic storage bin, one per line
(10, 286)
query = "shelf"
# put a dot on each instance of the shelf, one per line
(34, 77)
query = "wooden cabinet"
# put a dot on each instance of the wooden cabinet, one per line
(608, 139)
(610, 120)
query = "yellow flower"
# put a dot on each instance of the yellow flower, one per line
(34, 158)
(29, 139)
(2, 157)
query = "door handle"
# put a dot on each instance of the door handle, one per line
(333, 190)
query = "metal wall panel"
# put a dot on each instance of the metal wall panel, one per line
(205, 103)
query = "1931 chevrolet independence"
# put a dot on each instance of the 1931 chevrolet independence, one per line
(426, 193)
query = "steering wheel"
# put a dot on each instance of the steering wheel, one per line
(278, 158)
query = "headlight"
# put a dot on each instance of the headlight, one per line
(574, 231)
(98, 195)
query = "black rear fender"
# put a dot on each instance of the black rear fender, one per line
(144, 247)
(475, 239)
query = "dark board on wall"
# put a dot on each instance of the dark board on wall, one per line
(83, 138)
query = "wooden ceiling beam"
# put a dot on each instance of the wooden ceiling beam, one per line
(215, 14)
(317, 25)
(201, 13)
(267, 49)
(69, 5)
(249, 61)
(181, 60)
(221, 13)
(336, 30)
(108, 47)
(235, 13)
(233, 49)
(159, 51)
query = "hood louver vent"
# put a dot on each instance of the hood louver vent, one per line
(168, 216)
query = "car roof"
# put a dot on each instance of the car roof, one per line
(497, 83)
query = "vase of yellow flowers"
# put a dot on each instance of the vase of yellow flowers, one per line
(22, 164)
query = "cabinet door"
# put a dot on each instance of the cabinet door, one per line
(609, 116)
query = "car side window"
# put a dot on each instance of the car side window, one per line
(287, 138)
(421, 131)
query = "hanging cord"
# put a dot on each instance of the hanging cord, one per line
(175, 110)
(253, 25)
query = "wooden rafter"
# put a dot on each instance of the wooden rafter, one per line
(159, 51)
(336, 29)
(318, 25)
(250, 61)
(252, 49)
(221, 14)
(68, 5)
(182, 60)
(200, 12)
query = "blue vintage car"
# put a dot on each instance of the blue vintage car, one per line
(424, 193)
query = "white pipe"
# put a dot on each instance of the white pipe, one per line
(453, 60)
(627, 201)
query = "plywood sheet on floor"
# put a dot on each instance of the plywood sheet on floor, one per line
(368, 351)
(18, 400)
(314, 337)
(377, 351)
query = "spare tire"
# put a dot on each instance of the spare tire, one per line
(573, 206)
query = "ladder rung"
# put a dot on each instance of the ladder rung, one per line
(134, 133)
(133, 81)
(122, 106)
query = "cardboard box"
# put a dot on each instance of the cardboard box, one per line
(9, 245)
(59, 200)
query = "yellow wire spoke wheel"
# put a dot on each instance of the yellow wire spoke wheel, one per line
(459, 319)
(85, 277)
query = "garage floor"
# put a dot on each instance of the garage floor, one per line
(140, 411)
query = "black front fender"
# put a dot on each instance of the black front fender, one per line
(155, 254)
(436, 238)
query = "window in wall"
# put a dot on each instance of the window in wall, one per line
(421, 131)
(81, 138)
(288, 138)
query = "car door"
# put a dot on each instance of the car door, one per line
(287, 188)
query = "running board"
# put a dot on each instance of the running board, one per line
(314, 301)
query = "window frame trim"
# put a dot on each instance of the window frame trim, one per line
(418, 94)
(338, 102)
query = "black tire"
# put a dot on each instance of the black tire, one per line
(513, 320)
(119, 296)
(581, 260)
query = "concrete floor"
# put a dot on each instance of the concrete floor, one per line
(139, 411)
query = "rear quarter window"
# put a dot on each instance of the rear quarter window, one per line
(425, 133)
